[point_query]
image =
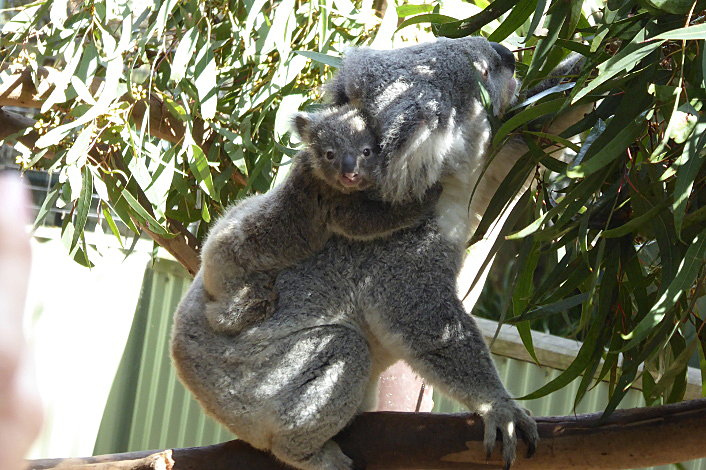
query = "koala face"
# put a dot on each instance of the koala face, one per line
(343, 150)
(497, 75)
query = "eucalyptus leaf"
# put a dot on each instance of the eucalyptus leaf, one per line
(82, 206)
(433, 18)
(409, 10)
(624, 61)
(683, 280)
(184, 54)
(687, 168)
(333, 61)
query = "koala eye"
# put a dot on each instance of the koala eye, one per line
(329, 155)
(486, 72)
(366, 152)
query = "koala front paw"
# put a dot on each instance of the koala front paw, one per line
(510, 419)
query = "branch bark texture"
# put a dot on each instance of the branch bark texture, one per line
(633, 438)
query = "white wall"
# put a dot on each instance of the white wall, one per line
(78, 320)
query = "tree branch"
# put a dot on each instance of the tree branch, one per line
(639, 437)
(184, 247)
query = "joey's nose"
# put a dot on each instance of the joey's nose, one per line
(349, 163)
(505, 55)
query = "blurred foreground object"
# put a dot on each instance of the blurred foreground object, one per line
(20, 406)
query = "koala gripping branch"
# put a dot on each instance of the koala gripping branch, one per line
(639, 437)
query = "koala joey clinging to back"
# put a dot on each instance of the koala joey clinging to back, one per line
(330, 189)
(291, 382)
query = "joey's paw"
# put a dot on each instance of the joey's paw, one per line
(510, 420)
(221, 319)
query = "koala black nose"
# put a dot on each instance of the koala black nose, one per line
(505, 55)
(349, 163)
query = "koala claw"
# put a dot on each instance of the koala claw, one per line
(510, 419)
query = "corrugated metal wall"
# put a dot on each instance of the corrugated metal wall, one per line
(149, 409)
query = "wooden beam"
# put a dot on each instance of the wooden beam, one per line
(639, 437)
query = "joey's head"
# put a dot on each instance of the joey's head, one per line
(342, 148)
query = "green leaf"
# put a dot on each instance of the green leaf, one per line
(183, 54)
(332, 60)
(111, 223)
(113, 73)
(205, 75)
(553, 308)
(78, 153)
(556, 16)
(517, 17)
(579, 365)
(88, 65)
(433, 18)
(72, 55)
(549, 91)
(576, 198)
(83, 205)
(462, 28)
(119, 205)
(199, 168)
(687, 166)
(555, 138)
(154, 226)
(205, 214)
(525, 116)
(510, 185)
(47, 205)
(683, 280)
(536, 18)
(609, 152)
(690, 33)
(409, 10)
(281, 30)
(522, 292)
(635, 223)
(624, 61)
(703, 68)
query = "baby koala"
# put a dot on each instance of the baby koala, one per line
(330, 189)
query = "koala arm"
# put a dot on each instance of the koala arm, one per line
(362, 217)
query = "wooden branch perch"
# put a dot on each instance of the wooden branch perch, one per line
(638, 437)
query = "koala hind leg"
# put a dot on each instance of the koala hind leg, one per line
(325, 399)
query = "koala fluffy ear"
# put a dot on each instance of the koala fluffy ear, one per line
(301, 124)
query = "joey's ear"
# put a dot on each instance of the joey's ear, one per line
(301, 124)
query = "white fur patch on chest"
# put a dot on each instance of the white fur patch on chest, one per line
(467, 157)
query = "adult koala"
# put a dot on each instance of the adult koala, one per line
(292, 382)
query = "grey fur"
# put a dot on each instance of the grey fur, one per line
(261, 235)
(291, 382)
(425, 99)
